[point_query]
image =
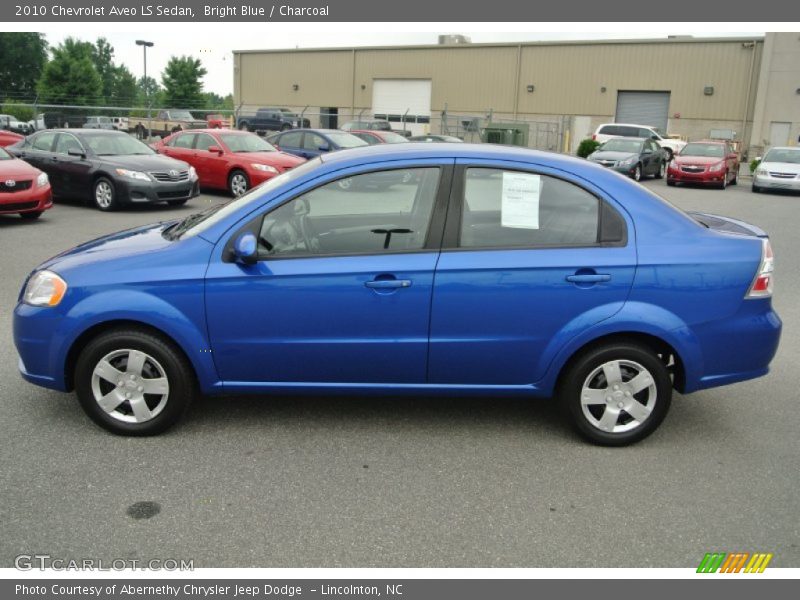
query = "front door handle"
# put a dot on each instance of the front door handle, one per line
(385, 284)
(589, 278)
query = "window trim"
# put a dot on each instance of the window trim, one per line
(58, 140)
(433, 238)
(451, 239)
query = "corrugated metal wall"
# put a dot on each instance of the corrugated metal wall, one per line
(567, 77)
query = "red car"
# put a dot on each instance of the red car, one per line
(9, 137)
(376, 136)
(218, 122)
(23, 189)
(226, 159)
(706, 162)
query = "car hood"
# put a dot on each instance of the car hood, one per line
(283, 160)
(17, 169)
(154, 162)
(781, 167)
(611, 155)
(697, 160)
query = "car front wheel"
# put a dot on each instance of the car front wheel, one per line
(637, 173)
(662, 169)
(105, 197)
(131, 382)
(238, 183)
(616, 394)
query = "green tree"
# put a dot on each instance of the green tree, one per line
(71, 77)
(23, 58)
(183, 85)
(124, 89)
(103, 59)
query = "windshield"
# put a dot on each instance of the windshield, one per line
(246, 143)
(114, 144)
(199, 222)
(620, 145)
(183, 115)
(393, 138)
(346, 140)
(710, 150)
(784, 155)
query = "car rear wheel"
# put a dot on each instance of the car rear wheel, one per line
(616, 394)
(31, 216)
(669, 153)
(637, 173)
(238, 183)
(131, 382)
(105, 195)
(243, 126)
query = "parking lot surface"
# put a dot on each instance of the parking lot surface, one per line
(411, 482)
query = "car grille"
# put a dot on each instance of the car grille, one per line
(173, 195)
(170, 175)
(692, 168)
(782, 175)
(12, 206)
(607, 163)
(18, 186)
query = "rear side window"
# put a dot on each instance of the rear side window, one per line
(507, 209)
(182, 141)
(290, 139)
(44, 141)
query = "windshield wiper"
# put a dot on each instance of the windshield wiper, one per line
(173, 232)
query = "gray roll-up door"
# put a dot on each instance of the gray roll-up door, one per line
(643, 108)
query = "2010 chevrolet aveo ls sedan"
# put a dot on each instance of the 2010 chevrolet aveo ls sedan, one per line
(490, 271)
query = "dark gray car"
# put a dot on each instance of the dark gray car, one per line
(634, 157)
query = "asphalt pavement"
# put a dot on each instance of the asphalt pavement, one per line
(411, 482)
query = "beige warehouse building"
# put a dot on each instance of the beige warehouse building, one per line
(747, 88)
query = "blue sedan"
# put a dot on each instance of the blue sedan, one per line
(310, 143)
(491, 270)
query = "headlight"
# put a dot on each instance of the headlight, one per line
(45, 288)
(629, 161)
(41, 179)
(717, 167)
(133, 174)
(265, 168)
(192, 173)
(761, 171)
(674, 165)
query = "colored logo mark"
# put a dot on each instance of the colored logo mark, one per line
(735, 562)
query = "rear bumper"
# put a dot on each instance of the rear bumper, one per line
(35, 199)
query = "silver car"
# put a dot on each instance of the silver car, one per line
(779, 170)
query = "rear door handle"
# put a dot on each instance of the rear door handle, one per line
(589, 278)
(385, 284)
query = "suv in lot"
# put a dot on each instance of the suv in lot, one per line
(606, 131)
(271, 119)
(98, 123)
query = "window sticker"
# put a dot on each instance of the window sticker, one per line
(520, 200)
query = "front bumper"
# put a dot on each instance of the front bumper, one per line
(625, 169)
(148, 192)
(777, 183)
(705, 177)
(34, 199)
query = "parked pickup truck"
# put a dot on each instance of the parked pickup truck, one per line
(271, 119)
(165, 123)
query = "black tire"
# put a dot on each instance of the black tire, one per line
(669, 154)
(637, 173)
(31, 216)
(670, 183)
(235, 179)
(105, 200)
(756, 189)
(724, 184)
(177, 202)
(178, 371)
(244, 126)
(285, 127)
(735, 179)
(584, 366)
(662, 169)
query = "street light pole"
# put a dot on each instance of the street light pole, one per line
(145, 45)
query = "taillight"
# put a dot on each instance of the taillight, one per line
(762, 284)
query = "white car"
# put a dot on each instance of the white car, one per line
(606, 131)
(120, 123)
(778, 170)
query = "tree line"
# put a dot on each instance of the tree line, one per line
(80, 73)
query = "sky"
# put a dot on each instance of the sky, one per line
(214, 44)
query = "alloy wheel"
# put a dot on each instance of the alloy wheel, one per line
(618, 396)
(103, 194)
(238, 184)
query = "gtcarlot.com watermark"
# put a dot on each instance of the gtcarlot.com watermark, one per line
(45, 562)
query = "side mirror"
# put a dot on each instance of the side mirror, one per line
(76, 152)
(216, 149)
(324, 148)
(245, 248)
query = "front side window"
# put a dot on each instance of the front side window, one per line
(66, 143)
(508, 209)
(204, 142)
(313, 141)
(372, 213)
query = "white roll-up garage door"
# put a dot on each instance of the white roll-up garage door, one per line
(393, 98)
(643, 108)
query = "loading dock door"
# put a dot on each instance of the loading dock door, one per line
(391, 98)
(643, 108)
